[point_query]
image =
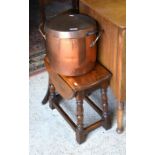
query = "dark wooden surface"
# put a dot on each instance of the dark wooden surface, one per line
(90, 79)
(78, 87)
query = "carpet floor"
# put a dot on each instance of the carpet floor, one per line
(50, 134)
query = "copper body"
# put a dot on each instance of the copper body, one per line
(71, 56)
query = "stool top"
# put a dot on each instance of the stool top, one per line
(86, 81)
(90, 79)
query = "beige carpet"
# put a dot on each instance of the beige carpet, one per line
(51, 135)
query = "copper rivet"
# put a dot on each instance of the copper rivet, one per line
(75, 84)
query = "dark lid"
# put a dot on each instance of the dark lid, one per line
(70, 25)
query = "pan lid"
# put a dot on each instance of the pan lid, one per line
(70, 25)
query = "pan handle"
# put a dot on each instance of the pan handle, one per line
(41, 31)
(97, 38)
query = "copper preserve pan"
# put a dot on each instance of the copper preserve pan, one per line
(71, 43)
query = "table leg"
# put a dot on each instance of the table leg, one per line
(52, 96)
(46, 98)
(106, 115)
(120, 111)
(80, 135)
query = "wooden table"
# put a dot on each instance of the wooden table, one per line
(111, 16)
(80, 87)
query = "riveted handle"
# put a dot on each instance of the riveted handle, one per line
(97, 38)
(41, 31)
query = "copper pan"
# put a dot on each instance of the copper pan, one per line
(71, 46)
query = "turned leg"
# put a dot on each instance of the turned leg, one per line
(52, 96)
(46, 98)
(80, 135)
(106, 115)
(120, 111)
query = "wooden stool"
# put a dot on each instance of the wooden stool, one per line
(79, 87)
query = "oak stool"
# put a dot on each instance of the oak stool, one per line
(80, 87)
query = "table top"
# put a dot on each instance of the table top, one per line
(112, 10)
(96, 76)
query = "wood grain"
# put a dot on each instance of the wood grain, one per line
(116, 15)
(83, 82)
(111, 46)
(111, 16)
